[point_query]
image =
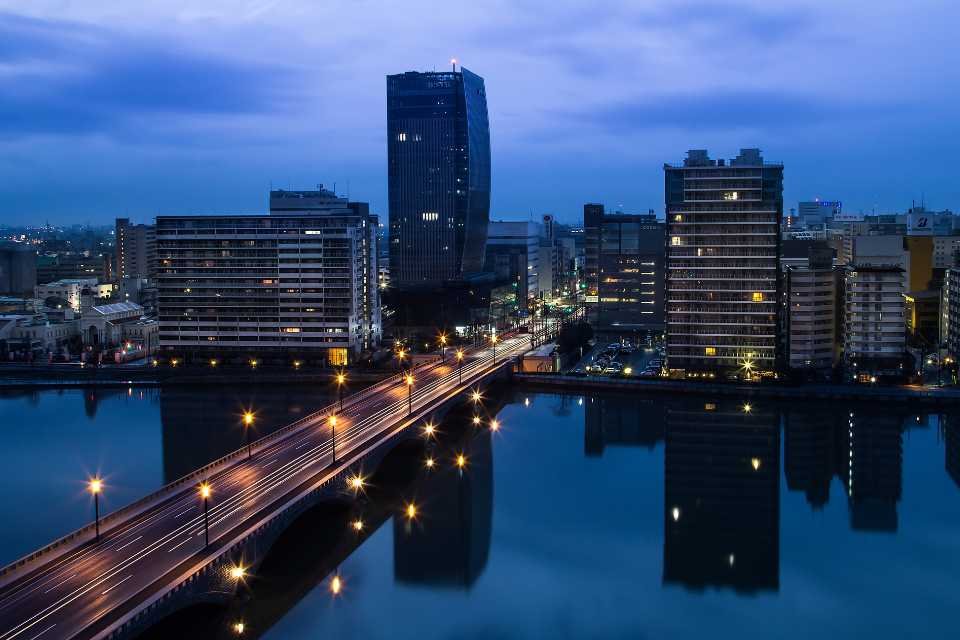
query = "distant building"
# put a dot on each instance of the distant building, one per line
(817, 213)
(110, 325)
(18, 269)
(136, 249)
(72, 291)
(438, 157)
(513, 254)
(813, 327)
(874, 322)
(623, 270)
(298, 283)
(723, 264)
(31, 337)
(66, 266)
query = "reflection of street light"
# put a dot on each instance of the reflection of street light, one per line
(238, 628)
(429, 429)
(411, 511)
(755, 463)
(494, 425)
(96, 486)
(461, 461)
(336, 585)
(747, 407)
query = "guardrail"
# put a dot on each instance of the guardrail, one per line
(136, 508)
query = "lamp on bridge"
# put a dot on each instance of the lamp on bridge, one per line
(247, 423)
(333, 435)
(460, 362)
(204, 489)
(443, 347)
(341, 381)
(493, 341)
(95, 486)
(494, 425)
(409, 381)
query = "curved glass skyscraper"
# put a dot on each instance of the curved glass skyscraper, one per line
(438, 149)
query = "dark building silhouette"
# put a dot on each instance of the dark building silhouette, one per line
(623, 266)
(449, 544)
(871, 469)
(721, 496)
(621, 421)
(438, 157)
(809, 453)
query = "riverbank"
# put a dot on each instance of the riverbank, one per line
(54, 376)
(805, 392)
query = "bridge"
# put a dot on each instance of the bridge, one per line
(196, 539)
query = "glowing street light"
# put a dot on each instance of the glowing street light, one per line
(411, 511)
(493, 341)
(429, 462)
(461, 461)
(476, 396)
(238, 572)
(95, 486)
(341, 381)
(409, 381)
(357, 525)
(239, 628)
(476, 420)
(333, 436)
(429, 429)
(460, 364)
(205, 494)
(356, 482)
(747, 407)
(247, 423)
(443, 347)
(336, 585)
(494, 425)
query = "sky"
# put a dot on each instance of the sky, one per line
(117, 108)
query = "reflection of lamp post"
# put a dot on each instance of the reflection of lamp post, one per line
(205, 494)
(409, 380)
(247, 423)
(460, 367)
(96, 486)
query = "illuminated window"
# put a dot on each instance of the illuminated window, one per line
(402, 137)
(678, 218)
(675, 241)
(337, 357)
(291, 329)
(431, 216)
(710, 351)
(709, 406)
(757, 296)
(730, 195)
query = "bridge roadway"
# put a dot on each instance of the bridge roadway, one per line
(81, 592)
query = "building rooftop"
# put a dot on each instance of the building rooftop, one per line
(118, 307)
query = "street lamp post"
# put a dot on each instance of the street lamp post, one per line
(333, 436)
(96, 486)
(443, 347)
(247, 423)
(409, 380)
(205, 494)
(493, 339)
(460, 365)
(341, 380)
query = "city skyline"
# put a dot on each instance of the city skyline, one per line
(178, 111)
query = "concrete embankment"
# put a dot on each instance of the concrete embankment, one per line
(805, 392)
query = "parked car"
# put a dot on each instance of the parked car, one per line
(613, 367)
(649, 373)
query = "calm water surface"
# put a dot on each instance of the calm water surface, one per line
(608, 516)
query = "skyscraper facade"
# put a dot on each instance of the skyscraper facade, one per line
(438, 149)
(723, 264)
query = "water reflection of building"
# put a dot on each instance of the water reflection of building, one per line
(450, 544)
(621, 420)
(721, 496)
(202, 425)
(809, 453)
(951, 439)
(872, 468)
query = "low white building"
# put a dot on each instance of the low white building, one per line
(72, 290)
(34, 333)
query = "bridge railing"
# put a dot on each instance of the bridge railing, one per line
(71, 540)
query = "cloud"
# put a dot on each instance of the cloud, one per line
(61, 77)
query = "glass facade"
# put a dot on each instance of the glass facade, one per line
(438, 148)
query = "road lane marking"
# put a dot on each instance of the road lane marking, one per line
(116, 585)
(43, 632)
(184, 511)
(128, 544)
(172, 549)
(61, 583)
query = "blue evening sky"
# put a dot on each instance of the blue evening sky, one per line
(111, 108)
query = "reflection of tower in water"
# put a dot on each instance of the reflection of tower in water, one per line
(611, 420)
(871, 469)
(449, 543)
(951, 445)
(809, 452)
(721, 496)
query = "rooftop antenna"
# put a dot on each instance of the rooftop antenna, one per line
(453, 61)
